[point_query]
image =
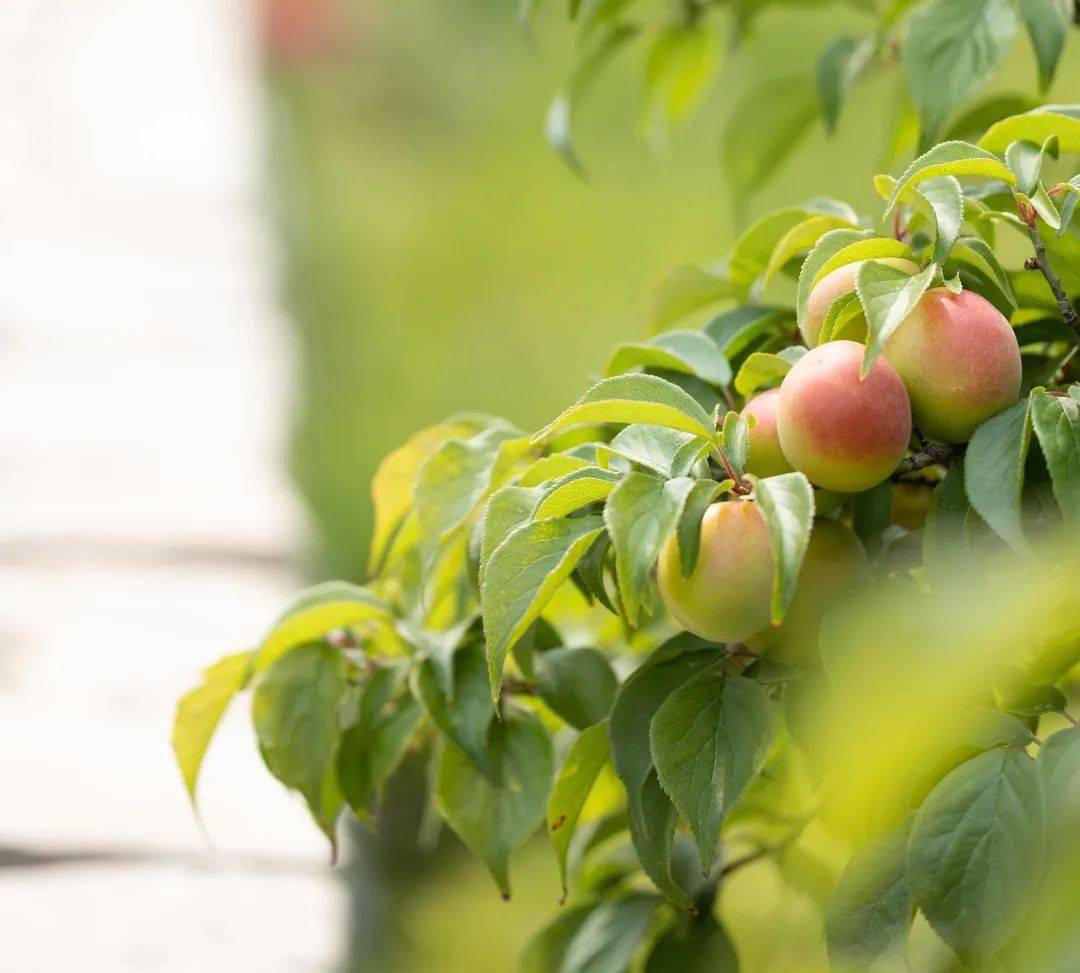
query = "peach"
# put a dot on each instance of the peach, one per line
(766, 457)
(844, 433)
(835, 563)
(836, 284)
(727, 596)
(960, 361)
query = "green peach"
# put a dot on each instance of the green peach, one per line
(727, 596)
(836, 284)
(766, 457)
(959, 360)
(845, 433)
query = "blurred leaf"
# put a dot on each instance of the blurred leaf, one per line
(840, 64)
(652, 831)
(587, 757)
(609, 937)
(760, 368)
(975, 853)
(701, 496)
(632, 399)
(1047, 23)
(827, 247)
(495, 815)
(994, 470)
(1037, 126)
(787, 504)
(523, 574)
(871, 909)
(975, 253)
(693, 945)
(590, 572)
(687, 289)
(947, 532)
(1056, 419)
(682, 62)
(754, 247)
(574, 491)
(464, 714)
(546, 949)
(763, 130)
(200, 710)
(640, 514)
(973, 122)
(578, 685)
(664, 451)
(709, 741)
(691, 352)
(739, 328)
(952, 49)
(871, 513)
(801, 237)
(888, 296)
(296, 707)
(950, 159)
(1059, 767)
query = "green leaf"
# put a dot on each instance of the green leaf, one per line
(574, 491)
(734, 330)
(640, 514)
(681, 64)
(296, 707)
(787, 504)
(523, 574)
(871, 909)
(824, 250)
(690, 352)
(994, 470)
(735, 441)
(587, 757)
(761, 367)
(1059, 767)
(687, 289)
(546, 949)
(632, 399)
(1025, 160)
(763, 129)
(688, 529)
(495, 815)
(1056, 419)
(693, 945)
(952, 49)
(976, 848)
(946, 201)
(609, 937)
(974, 121)
(950, 159)
(844, 310)
(664, 451)
(652, 831)
(558, 124)
(464, 714)
(801, 237)
(975, 253)
(507, 509)
(709, 741)
(549, 468)
(888, 296)
(754, 247)
(838, 67)
(317, 611)
(578, 685)
(200, 710)
(873, 249)
(947, 533)
(1037, 126)
(1047, 23)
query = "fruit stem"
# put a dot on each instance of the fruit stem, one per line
(930, 455)
(1065, 306)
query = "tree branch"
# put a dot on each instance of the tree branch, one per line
(930, 455)
(1065, 306)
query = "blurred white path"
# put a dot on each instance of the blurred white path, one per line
(146, 526)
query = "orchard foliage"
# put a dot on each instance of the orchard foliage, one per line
(943, 53)
(866, 677)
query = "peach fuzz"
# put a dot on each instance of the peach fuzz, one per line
(766, 457)
(836, 284)
(726, 598)
(844, 433)
(960, 361)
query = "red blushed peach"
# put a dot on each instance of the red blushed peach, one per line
(766, 457)
(844, 433)
(726, 598)
(960, 362)
(836, 284)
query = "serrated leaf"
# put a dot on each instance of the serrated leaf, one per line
(664, 451)
(463, 714)
(1056, 420)
(574, 491)
(316, 611)
(687, 289)
(507, 509)
(640, 514)
(577, 684)
(753, 249)
(688, 529)
(200, 710)
(709, 741)
(875, 248)
(1047, 23)
(1068, 207)
(839, 66)
(587, 757)
(762, 367)
(952, 49)
(630, 399)
(801, 237)
(824, 250)
(950, 159)
(522, 575)
(871, 909)
(976, 849)
(735, 441)
(1037, 126)
(549, 468)
(994, 470)
(1025, 161)
(690, 352)
(494, 815)
(652, 831)
(888, 296)
(977, 254)
(946, 201)
(787, 504)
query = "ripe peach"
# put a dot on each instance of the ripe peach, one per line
(726, 598)
(960, 361)
(766, 457)
(844, 433)
(836, 284)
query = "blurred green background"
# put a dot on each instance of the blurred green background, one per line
(438, 256)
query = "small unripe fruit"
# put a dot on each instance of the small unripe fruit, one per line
(836, 284)
(960, 361)
(727, 596)
(844, 433)
(766, 456)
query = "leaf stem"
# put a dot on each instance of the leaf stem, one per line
(740, 488)
(1065, 306)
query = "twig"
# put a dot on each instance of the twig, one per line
(1065, 306)
(740, 488)
(930, 455)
